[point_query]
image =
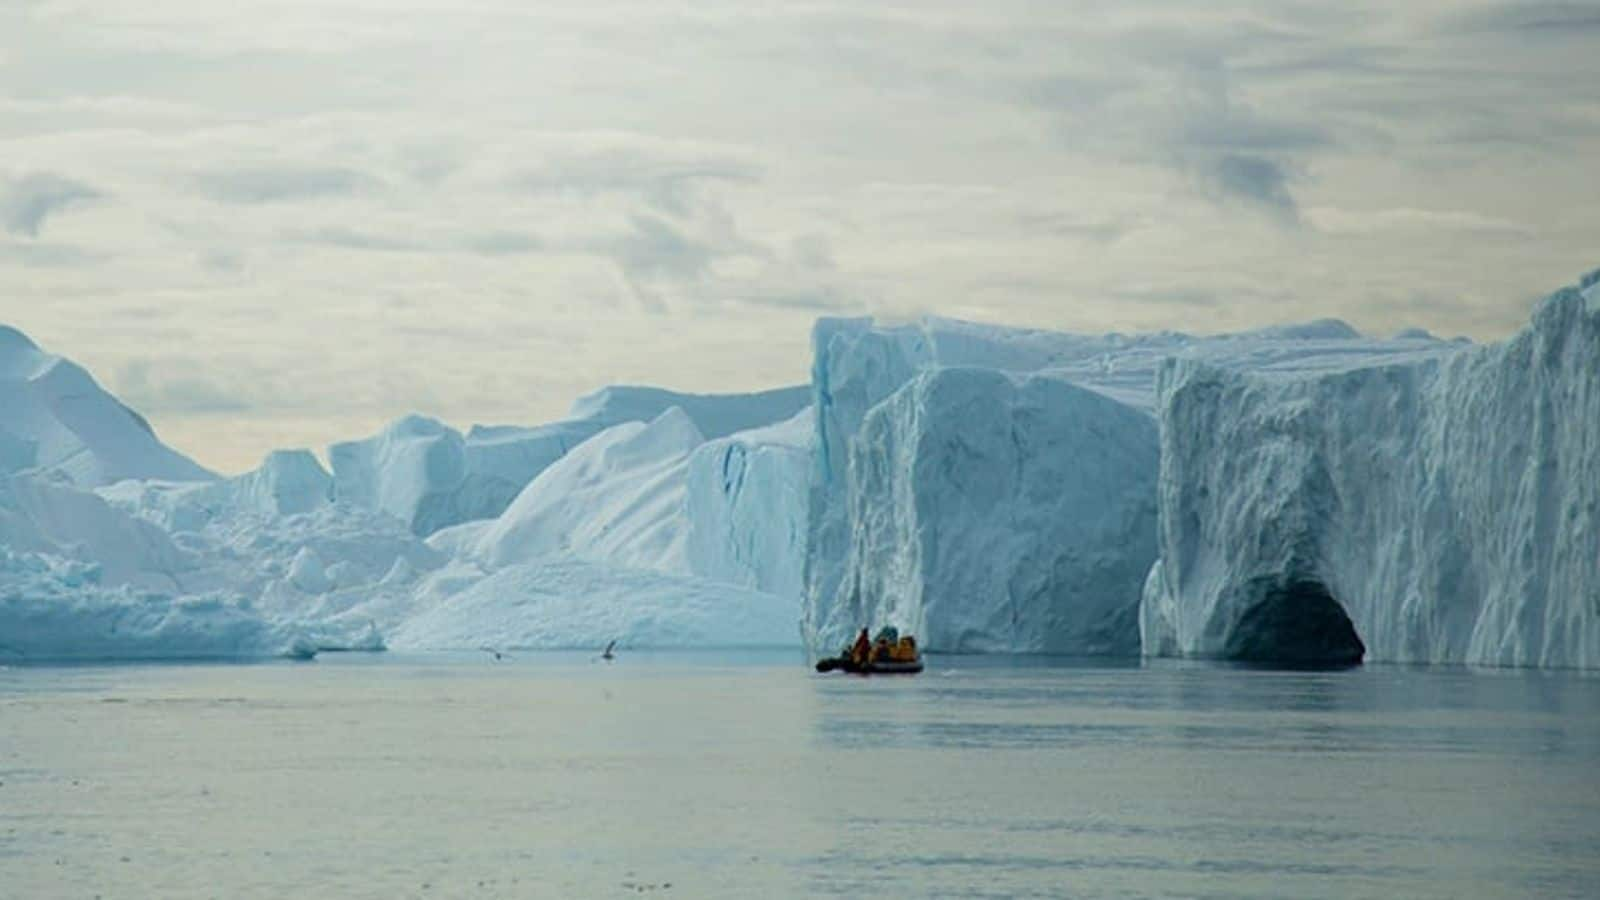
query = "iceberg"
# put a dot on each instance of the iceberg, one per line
(53, 609)
(1442, 510)
(288, 482)
(431, 477)
(876, 494)
(58, 419)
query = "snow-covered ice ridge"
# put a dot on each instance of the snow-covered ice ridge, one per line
(57, 418)
(994, 489)
(1438, 511)
(431, 476)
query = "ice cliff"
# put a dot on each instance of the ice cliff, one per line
(896, 492)
(1443, 510)
(993, 513)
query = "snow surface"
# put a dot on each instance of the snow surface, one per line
(55, 417)
(1450, 507)
(617, 498)
(571, 604)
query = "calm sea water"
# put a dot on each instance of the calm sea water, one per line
(705, 775)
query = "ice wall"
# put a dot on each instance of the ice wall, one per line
(1446, 510)
(858, 365)
(745, 508)
(998, 514)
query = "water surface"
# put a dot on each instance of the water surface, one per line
(697, 775)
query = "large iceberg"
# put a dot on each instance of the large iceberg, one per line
(1441, 510)
(56, 418)
(892, 466)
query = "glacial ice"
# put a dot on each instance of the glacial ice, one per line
(431, 477)
(1295, 493)
(55, 609)
(57, 418)
(869, 560)
(745, 507)
(992, 513)
(570, 604)
(617, 498)
(1442, 510)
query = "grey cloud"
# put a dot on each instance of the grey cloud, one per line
(350, 239)
(664, 176)
(27, 202)
(655, 248)
(818, 301)
(1182, 296)
(502, 243)
(1067, 226)
(168, 387)
(43, 255)
(273, 184)
(1256, 180)
(221, 261)
(1226, 127)
(1522, 17)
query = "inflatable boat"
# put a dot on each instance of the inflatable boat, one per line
(881, 667)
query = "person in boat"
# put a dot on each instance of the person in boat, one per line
(862, 650)
(880, 650)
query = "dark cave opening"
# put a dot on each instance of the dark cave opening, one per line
(1296, 622)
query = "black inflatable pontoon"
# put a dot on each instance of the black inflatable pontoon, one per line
(882, 667)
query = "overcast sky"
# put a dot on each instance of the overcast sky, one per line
(283, 223)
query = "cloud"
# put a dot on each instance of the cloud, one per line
(1567, 19)
(349, 239)
(26, 202)
(502, 243)
(1333, 220)
(168, 386)
(275, 184)
(655, 248)
(665, 174)
(45, 255)
(1254, 179)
